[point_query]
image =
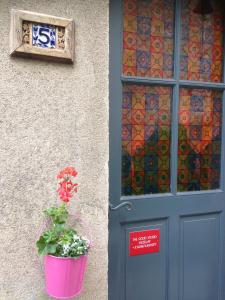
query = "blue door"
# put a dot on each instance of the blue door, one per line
(167, 91)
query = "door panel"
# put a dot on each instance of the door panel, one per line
(167, 155)
(146, 275)
(200, 257)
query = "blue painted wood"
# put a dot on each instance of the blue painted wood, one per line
(196, 248)
(172, 82)
(185, 219)
(222, 181)
(175, 104)
(115, 92)
(116, 258)
(222, 184)
(173, 219)
(148, 80)
(154, 267)
(198, 84)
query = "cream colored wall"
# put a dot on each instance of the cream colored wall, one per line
(53, 115)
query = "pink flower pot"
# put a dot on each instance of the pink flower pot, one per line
(64, 276)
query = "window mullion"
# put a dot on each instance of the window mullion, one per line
(175, 103)
(222, 179)
(201, 84)
(222, 163)
(149, 81)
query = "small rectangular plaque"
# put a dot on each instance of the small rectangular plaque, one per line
(40, 35)
(44, 36)
(144, 242)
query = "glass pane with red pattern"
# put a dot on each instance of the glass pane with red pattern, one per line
(202, 41)
(199, 145)
(146, 121)
(148, 38)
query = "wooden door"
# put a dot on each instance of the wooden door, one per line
(166, 217)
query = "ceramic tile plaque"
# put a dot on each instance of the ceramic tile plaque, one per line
(41, 36)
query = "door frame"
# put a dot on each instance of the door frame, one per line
(115, 91)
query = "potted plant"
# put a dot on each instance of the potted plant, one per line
(65, 252)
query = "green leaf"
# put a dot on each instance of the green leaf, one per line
(51, 248)
(60, 239)
(58, 215)
(50, 236)
(44, 247)
(41, 245)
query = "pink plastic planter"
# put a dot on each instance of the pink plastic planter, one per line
(64, 276)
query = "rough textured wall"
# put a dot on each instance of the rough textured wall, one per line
(53, 115)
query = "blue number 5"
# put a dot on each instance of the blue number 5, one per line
(44, 37)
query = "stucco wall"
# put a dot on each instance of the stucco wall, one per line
(53, 115)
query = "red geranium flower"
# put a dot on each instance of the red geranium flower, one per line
(67, 171)
(67, 187)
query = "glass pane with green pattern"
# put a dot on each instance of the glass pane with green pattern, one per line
(148, 38)
(146, 134)
(199, 143)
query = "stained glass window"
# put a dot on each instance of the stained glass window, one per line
(148, 51)
(148, 38)
(146, 112)
(202, 42)
(199, 145)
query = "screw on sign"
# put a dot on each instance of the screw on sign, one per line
(144, 242)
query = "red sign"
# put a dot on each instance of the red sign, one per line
(144, 242)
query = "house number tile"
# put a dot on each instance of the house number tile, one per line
(42, 36)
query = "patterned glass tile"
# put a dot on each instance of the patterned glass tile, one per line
(201, 42)
(43, 35)
(148, 38)
(199, 144)
(146, 119)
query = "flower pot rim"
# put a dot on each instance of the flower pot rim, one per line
(66, 258)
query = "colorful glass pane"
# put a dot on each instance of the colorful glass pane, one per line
(202, 42)
(146, 119)
(199, 145)
(148, 38)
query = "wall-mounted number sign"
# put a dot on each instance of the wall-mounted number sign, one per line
(44, 36)
(39, 35)
(144, 242)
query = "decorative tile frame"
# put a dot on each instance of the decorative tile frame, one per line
(22, 39)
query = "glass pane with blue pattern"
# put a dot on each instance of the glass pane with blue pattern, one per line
(146, 134)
